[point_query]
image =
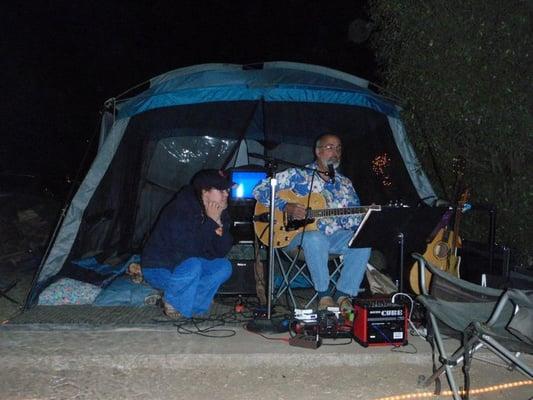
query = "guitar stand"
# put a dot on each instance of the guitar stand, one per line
(409, 227)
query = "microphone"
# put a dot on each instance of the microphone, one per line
(264, 217)
(331, 172)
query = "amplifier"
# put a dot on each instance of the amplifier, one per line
(242, 280)
(476, 261)
(378, 322)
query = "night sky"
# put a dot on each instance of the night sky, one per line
(62, 59)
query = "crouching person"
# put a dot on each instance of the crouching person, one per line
(184, 255)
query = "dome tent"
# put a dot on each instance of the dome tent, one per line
(213, 116)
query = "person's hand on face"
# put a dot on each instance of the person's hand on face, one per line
(215, 201)
(214, 210)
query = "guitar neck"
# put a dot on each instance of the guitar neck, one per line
(457, 221)
(333, 212)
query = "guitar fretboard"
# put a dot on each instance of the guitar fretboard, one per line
(333, 212)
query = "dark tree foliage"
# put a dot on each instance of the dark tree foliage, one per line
(462, 70)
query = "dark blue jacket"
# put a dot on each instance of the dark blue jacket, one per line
(183, 231)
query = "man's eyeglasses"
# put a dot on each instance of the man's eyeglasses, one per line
(331, 147)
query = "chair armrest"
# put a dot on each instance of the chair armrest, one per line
(499, 308)
(521, 324)
(460, 283)
(421, 271)
(522, 298)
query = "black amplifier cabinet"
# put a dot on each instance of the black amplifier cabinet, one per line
(242, 280)
(476, 260)
(378, 322)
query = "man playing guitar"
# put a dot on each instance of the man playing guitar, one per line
(332, 233)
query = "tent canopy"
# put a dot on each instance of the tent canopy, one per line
(213, 116)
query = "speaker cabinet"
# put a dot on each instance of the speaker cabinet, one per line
(476, 261)
(242, 280)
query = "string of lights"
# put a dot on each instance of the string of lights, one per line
(487, 389)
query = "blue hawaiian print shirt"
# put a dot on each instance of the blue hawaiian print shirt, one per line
(339, 194)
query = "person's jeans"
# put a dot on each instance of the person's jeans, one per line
(191, 286)
(317, 247)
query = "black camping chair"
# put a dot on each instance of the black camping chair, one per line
(500, 321)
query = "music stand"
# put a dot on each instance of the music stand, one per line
(408, 226)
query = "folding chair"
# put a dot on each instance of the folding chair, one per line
(292, 265)
(483, 317)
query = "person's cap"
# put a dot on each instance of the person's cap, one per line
(211, 178)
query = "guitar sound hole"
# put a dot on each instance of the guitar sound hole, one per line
(441, 250)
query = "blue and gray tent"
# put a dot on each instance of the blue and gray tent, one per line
(156, 136)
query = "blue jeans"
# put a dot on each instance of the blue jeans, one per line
(190, 286)
(317, 247)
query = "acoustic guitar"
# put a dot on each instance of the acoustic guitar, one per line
(441, 251)
(285, 228)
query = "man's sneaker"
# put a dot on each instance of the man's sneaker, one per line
(325, 302)
(345, 304)
(170, 311)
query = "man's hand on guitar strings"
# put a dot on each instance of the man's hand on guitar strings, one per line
(296, 211)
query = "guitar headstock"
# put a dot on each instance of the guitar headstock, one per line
(463, 199)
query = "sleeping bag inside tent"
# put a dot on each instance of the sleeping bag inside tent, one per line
(215, 116)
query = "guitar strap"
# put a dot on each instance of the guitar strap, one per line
(443, 223)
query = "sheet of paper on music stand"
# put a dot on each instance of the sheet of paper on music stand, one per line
(360, 227)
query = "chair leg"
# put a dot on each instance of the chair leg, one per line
(312, 299)
(506, 355)
(286, 284)
(457, 358)
(442, 352)
(467, 362)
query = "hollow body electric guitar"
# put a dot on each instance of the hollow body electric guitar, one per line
(285, 228)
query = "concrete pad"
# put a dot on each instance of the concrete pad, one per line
(162, 364)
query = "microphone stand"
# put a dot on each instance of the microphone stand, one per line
(269, 325)
(273, 184)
